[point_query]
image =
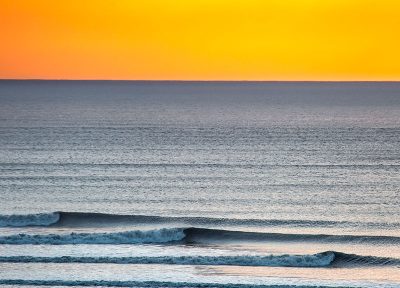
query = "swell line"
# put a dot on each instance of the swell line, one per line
(323, 259)
(78, 219)
(187, 235)
(203, 234)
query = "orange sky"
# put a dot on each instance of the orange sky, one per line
(200, 39)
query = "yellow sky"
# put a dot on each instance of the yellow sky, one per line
(203, 39)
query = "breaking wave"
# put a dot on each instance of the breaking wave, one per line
(188, 235)
(314, 260)
(324, 259)
(41, 219)
(128, 237)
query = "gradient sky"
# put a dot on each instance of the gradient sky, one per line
(203, 39)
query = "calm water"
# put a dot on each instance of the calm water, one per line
(185, 184)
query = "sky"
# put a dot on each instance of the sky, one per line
(288, 40)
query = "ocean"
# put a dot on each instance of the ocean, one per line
(199, 184)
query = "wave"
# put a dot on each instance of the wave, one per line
(187, 235)
(324, 259)
(351, 260)
(128, 237)
(156, 284)
(41, 219)
(314, 260)
(205, 234)
(99, 219)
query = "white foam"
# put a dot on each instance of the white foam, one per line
(314, 260)
(41, 219)
(127, 237)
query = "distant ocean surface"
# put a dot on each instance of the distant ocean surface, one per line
(199, 184)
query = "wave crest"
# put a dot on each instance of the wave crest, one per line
(314, 260)
(83, 219)
(323, 259)
(40, 219)
(189, 235)
(127, 237)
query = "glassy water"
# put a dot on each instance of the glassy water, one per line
(199, 184)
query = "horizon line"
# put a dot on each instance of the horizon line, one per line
(199, 80)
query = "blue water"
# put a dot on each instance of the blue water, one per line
(199, 184)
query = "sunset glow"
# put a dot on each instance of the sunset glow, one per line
(200, 40)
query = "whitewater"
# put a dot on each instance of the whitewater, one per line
(199, 184)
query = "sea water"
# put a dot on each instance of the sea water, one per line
(199, 184)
